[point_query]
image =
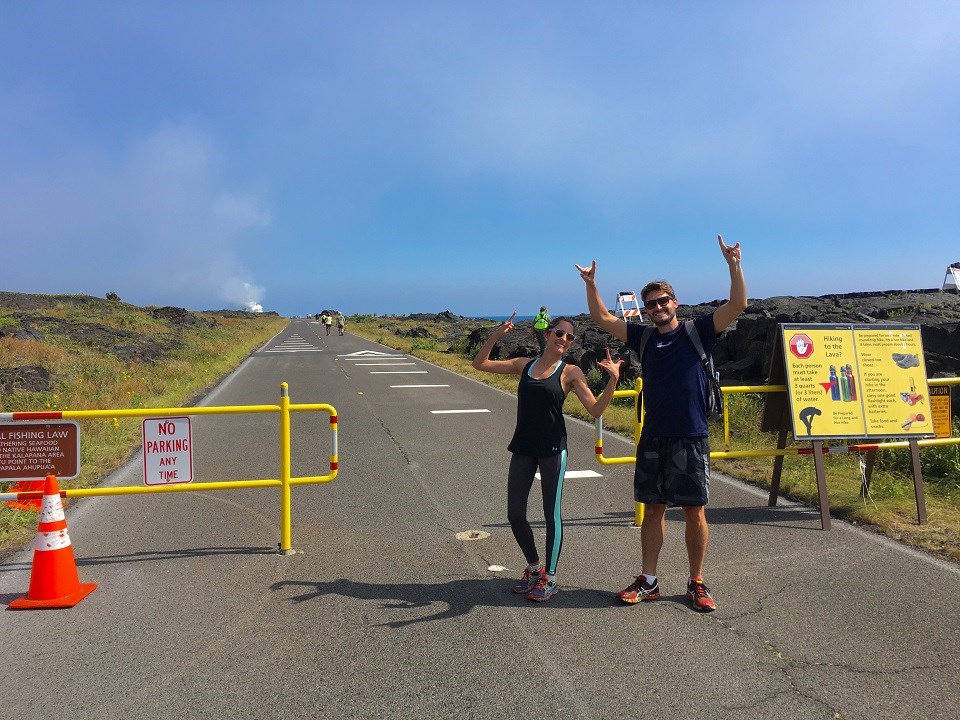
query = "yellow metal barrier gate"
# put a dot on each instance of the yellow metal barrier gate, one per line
(775, 452)
(284, 482)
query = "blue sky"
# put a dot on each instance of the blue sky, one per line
(397, 157)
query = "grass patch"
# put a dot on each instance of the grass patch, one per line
(83, 377)
(889, 506)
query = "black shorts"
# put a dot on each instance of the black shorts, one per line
(672, 471)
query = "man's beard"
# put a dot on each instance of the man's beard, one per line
(665, 320)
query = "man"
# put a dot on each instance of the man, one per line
(540, 324)
(673, 454)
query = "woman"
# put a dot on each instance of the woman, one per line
(540, 441)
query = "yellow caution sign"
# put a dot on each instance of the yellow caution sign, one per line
(940, 410)
(894, 381)
(856, 381)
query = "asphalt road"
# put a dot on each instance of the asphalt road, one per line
(384, 612)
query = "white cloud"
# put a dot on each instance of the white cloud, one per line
(155, 224)
(241, 293)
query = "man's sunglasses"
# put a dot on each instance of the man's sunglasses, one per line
(662, 301)
(569, 336)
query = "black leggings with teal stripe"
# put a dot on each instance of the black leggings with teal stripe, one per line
(520, 479)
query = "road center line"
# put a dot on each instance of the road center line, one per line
(417, 386)
(577, 474)
(457, 412)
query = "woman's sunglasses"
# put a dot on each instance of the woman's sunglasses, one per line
(560, 333)
(658, 302)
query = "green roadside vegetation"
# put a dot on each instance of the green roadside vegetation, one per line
(889, 507)
(155, 359)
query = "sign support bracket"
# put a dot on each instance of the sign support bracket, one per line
(918, 481)
(777, 468)
(821, 471)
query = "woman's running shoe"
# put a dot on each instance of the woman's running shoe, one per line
(527, 581)
(544, 589)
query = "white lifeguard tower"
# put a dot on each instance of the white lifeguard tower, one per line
(952, 278)
(627, 306)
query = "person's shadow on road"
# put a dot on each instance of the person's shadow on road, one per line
(452, 599)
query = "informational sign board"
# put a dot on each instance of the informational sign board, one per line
(33, 450)
(940, 409)
(167, 451)
(856, 381)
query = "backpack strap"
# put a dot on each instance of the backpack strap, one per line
(715, 400)
(644, 339)
(695, 339)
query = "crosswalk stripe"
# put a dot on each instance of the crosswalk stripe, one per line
(292, 350)
(370, 354)
(393, 364)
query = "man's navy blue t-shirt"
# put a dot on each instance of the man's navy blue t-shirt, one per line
(674, 381)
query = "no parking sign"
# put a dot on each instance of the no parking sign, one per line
(167, 451)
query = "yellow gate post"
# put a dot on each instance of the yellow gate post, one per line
(598, 446)
(285, 548)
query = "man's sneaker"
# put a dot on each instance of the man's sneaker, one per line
(527, 581)
(544, 589)
(699, 596)
(640, 590)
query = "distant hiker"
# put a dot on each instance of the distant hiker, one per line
(673, 455)
(540, 323)
(540, 441)
(340, 321)
(327, 321)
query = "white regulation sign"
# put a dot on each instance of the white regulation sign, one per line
(167, 451)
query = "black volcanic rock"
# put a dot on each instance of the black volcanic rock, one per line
(743, 353)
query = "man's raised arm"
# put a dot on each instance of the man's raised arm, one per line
(730, 310)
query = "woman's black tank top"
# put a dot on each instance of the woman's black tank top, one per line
(540, 430)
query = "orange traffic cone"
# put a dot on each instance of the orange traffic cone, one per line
(53, 578)
(25, 486)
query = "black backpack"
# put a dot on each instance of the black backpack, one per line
(714, 393)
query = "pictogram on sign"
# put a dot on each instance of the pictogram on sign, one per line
(167, 451)
(801, 346)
